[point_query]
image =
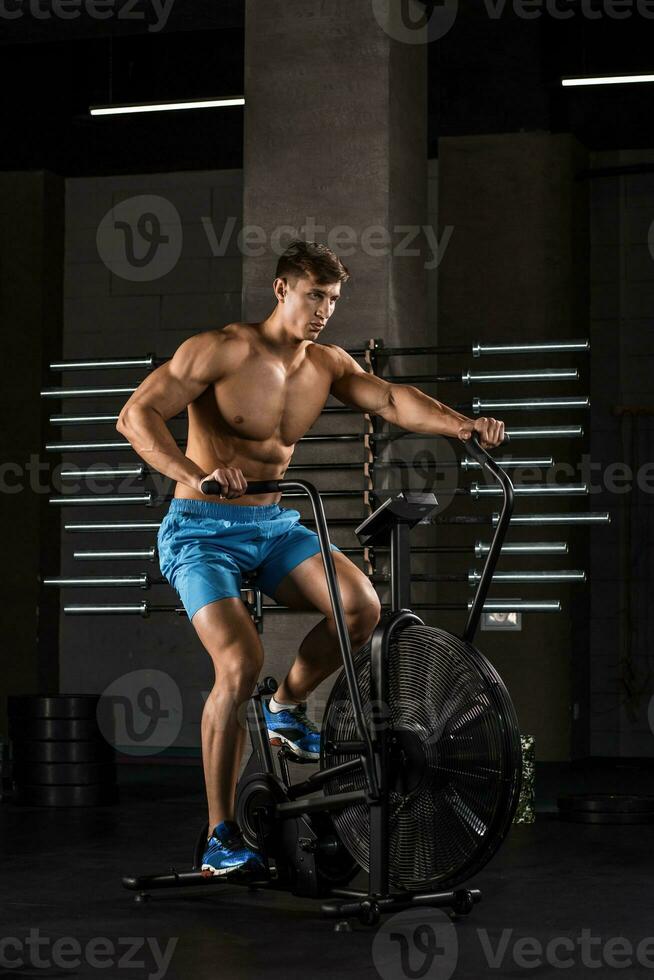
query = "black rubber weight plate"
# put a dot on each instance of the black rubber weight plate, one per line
(54, 729)
(581, 816)
(53, 706)
(64, 774)
(65, 795)
(606, 803)
(31, 750)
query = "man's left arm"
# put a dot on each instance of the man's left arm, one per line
(406, 406)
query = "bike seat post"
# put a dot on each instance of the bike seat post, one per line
(400, 566)
(391, 523)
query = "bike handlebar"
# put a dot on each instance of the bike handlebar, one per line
(471, 446)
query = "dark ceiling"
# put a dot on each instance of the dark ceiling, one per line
(487, 74)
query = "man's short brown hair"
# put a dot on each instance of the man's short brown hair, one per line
(311, 258)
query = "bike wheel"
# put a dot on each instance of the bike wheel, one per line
(454, 758)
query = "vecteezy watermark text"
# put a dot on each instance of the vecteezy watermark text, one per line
(414, 22)
(40, 952)
(400, 241)
(155, 12)
(141, 238)
(424, 943)
(41, 477)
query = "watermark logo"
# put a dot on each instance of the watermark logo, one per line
(422, 942)
(141, 712)
(416, 943)
(414, 22)
(140, 239)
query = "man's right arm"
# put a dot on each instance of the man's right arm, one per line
(197, 363)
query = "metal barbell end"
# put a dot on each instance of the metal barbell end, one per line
(147, 362)
(542, 347)
(148, 554)
(477, 490)
(481, 405)
(550, 575)
(526, 377)
(146, 499)
(524, 548)
(599, 517)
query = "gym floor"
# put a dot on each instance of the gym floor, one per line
(552, 880)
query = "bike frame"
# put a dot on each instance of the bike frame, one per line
(369, 751)
(371, 747)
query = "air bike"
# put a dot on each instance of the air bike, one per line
(420, 766)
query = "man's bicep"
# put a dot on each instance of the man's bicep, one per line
(166, 393)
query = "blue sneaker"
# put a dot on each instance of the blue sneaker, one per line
(291, 727)
(227, 852)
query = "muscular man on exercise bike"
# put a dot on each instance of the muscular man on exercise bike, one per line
(252, 391)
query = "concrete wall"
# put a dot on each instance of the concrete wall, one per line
(516, 269)
(31, 255)
(108, 315)
(622, 270)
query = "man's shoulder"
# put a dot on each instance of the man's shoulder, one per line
(235, 334)
(213, 353)
(340, 361)
(233, 338)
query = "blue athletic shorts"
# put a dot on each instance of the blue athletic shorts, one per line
(205, 548)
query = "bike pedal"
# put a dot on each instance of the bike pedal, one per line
(273, 872)
(290, 756)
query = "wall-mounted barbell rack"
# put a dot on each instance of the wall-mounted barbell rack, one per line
(373, 440)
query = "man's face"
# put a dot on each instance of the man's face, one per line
(309, 305)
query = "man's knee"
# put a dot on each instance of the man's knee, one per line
(237, 668)
(362, 612)
(240, 665)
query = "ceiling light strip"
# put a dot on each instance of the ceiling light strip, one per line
(115, 110)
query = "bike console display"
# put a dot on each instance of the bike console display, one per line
(406, 507)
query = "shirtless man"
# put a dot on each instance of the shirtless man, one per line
(252, 391)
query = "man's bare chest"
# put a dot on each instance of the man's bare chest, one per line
(265, 399)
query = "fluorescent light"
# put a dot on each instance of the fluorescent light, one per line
(606, 80)
(116, 110)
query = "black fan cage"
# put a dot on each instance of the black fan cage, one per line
(455, 780)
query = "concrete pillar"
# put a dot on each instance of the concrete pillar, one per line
(335, 134)
(335, 151)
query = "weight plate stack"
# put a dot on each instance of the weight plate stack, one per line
(603, 808)
(60, 757)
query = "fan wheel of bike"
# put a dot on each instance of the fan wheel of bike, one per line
(454, 752)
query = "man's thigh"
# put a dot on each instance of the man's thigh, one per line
(305, 586)
(225, 626)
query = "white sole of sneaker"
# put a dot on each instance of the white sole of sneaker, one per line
(220, 872)
(217, 871)
(277, 739)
